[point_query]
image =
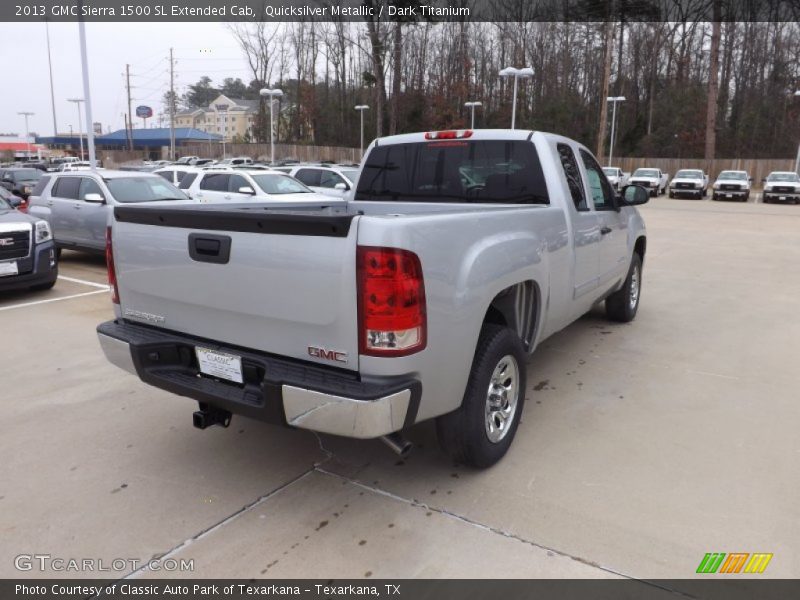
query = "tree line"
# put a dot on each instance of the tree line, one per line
(692, 88)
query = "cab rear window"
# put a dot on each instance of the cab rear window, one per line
(482, 171)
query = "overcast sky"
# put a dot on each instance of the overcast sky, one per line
(200, 48)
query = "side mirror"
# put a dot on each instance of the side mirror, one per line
(763, 180)
(246, 189)
(341, 186)
(634, 195)
(94, 197)
(16, 201)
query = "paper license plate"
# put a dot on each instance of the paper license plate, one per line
(219, 364)
(8, 268)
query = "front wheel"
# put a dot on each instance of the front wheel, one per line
(480, 432)
(623, 304)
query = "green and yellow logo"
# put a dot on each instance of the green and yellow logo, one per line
(735, 562)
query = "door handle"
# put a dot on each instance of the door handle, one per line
(50, 203)
(228, 197)
(605, 230)
(76, 206)
(210, 248)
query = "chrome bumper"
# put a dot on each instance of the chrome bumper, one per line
(309, 409)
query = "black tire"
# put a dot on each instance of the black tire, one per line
(58, 253)
(714, 197)
(463, 433)
(618, 304)
(672, 194)
(764, 200)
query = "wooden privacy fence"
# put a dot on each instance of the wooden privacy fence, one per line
(282, 151)
(757, 167)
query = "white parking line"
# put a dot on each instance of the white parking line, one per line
(35, 302)
(102, 286)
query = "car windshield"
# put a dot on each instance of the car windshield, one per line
(738, 175)
(272, 183)
(645, 173)
(142, 189)
(502, 171)
(783, 177)
(689, 174)
(350, 174)
(24, 174)
(610, 171)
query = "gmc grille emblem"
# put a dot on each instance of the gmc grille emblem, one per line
(6, 241)
(327, 354)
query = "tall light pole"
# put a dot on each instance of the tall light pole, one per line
(471, 106)
(524, 73)
(361, 108)
(271, 94)
(797, 160)
(50, 67)
(27, 133)
(86, 92)
(613, 100)
(77, 102)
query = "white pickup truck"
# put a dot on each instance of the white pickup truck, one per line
(655, 180)
(420, 297)
(616, 177)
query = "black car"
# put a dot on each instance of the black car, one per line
(27, 251)
(20, 181)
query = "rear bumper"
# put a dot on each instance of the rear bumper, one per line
(275, 390)
(781, 196)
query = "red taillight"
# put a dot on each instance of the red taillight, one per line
(23, 207)
(391, 302)
(455, 134)
(112, 272)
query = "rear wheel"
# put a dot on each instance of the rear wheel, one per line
(623, 304)
(480, 432)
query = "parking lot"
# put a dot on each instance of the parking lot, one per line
(642, 447)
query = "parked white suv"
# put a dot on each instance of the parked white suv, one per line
(331, 180)
(243, 185)
(175, 173)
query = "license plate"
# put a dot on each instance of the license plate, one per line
(8, 268)
(219, 364)
(729, 195)
(781, 197)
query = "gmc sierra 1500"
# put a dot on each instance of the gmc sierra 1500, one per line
(420, 297)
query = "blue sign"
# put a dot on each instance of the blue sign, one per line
(145, 112)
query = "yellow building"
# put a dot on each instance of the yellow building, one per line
(229, 117)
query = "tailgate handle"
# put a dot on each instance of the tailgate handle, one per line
(210, 248)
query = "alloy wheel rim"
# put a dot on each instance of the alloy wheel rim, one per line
(502, 398)
(633, 298)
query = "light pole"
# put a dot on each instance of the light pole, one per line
(27, 133)
(361, 108)
(613, 100)
(524, 73)
(471, 106)
(77, 102)
(271, 94)
(797, 160)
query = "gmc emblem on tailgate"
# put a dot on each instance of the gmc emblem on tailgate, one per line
(327, 354)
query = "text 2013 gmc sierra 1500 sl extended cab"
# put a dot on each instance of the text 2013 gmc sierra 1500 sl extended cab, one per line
(418, 298)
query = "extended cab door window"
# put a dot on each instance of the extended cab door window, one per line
(602, 194)
(236, 182)
(311, 177)
(573, 174)
(215, 182)
(89, 186)
(329, 179)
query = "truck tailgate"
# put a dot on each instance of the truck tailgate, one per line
(276, 281)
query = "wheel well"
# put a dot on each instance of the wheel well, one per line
(640, 246)
(516, 307)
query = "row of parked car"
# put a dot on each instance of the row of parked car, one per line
(778, 186)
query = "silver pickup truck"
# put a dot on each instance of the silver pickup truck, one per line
(420, 297)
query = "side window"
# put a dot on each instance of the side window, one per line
(573, 175)
(602, 195)
(166, 175)
(236, 182)
(308, 176)
(215, 182)
(178, 176)
(187, 180)
(329, 179)
(40, 185)
(67, 187)
(89, 186)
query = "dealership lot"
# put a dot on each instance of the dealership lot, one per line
(642, 446)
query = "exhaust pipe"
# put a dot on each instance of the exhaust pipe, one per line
(208, 416)
(399, 445)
